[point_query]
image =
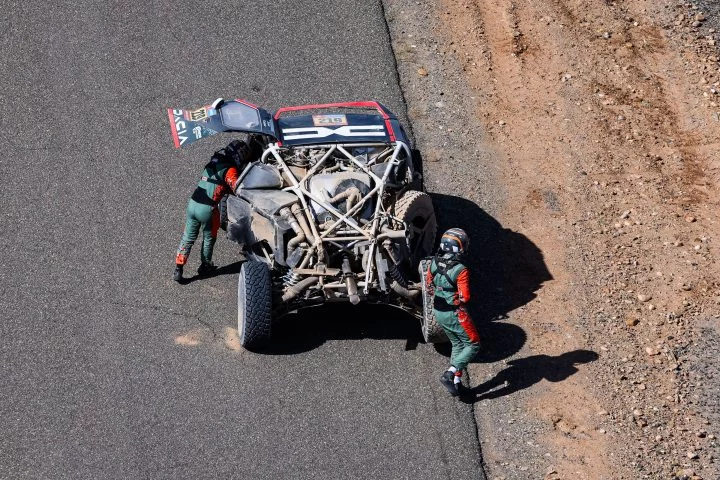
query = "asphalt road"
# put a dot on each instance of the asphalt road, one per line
(111, 370)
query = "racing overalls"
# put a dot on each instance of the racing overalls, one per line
(218, 178)
(451, 286)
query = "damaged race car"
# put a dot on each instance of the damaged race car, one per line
(332, 210)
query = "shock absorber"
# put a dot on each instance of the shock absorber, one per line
(396, 275)
(291, 278)
(399, 283)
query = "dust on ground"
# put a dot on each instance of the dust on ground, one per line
(589, 134)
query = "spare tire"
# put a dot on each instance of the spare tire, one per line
(431, 330)
(416, 210)
(254, 305)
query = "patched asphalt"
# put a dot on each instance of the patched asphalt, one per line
(110, 369)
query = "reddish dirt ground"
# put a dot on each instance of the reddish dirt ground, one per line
(603, 120)
(605, 116)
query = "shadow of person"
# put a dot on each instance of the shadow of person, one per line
(506, 271)
(230, 269)
(526, 372)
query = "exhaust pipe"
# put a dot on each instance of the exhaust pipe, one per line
(299, 233)
(350, 283)
(404, 292)
(299, 214)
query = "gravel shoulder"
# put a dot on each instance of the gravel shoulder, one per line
(578, 142)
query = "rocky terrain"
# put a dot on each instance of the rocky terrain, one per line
(579, 142)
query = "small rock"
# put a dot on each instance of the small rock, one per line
(644, 298)
(422, 72)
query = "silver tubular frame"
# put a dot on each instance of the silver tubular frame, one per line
(351, 232)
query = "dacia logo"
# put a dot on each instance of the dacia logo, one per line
(180, 125)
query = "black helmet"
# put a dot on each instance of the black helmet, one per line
(455, 241)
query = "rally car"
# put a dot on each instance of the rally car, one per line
(332, 210)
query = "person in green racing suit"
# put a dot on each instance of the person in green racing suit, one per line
(220, 176)
(449, 279)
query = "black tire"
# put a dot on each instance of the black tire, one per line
(431, 330)
(418, 182)
(416, 210)
(254, 305)
(222, 208)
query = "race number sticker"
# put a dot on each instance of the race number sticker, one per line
(199, 114)
(329, 120)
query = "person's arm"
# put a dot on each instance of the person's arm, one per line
(463, 284)
(231, 178)
(429, 277)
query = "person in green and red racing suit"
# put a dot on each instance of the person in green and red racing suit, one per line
(449, 280)
(219, 177)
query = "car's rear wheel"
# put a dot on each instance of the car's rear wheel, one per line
(254, 305)
(431, 330)
(416, 210)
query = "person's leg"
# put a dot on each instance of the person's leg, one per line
(469, 342)
(192, 227)
(449, 323)
(210, 229)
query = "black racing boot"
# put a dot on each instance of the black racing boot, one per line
(448, 379)
(177, 276)
(206, 268)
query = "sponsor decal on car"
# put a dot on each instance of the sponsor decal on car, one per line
(188, 126)
(180, 127)
(324, 132)
(199, 114)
